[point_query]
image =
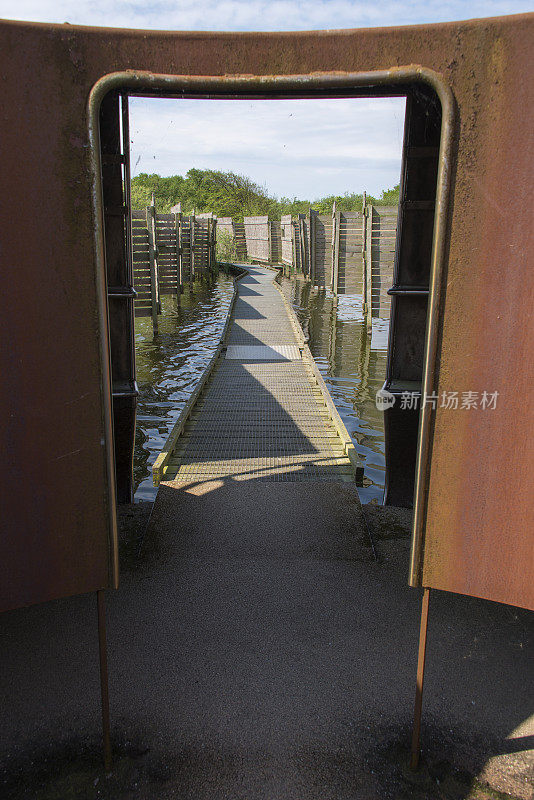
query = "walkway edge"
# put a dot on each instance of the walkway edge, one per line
(160, 464)
(350, 450)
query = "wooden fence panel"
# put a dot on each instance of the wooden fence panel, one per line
(323, 250)
(276, 242)
(286, 238)
(306, 234)
(304, 244)
(350, 253)
(167, 253)
(300, 245)
(202, 258)
(295, 233)
(240, 241)
(225, 225)
(141, 265)
(186, 251)
(383, 241)
(257, 238)
(237, 231)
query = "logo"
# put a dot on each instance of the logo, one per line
(384, 399)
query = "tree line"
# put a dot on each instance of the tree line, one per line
(230, 195)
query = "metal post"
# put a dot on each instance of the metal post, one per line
(104, 683)
(416, 734)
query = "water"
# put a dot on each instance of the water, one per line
(353, 365)
(169, 365)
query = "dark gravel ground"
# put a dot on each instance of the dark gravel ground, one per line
(258, 651)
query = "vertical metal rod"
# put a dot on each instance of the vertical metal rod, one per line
(104, 684)
(416, 734)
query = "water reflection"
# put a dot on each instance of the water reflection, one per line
(169, 365)
(353, 365)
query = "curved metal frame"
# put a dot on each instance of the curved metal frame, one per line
(297, 86)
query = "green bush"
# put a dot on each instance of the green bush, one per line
(225, 250)
(229, 195)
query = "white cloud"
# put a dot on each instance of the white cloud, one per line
(294, 147)
(253, 14)
(315, 150)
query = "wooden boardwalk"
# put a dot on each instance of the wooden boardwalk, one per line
(263, 412)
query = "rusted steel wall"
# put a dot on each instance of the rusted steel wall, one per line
(55, 405)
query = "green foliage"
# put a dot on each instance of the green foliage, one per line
(389, 197)
(346, 202)
(225, 249)
(231, 195)
(167, 191)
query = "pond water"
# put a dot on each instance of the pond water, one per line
(169, 365)
(353, 365)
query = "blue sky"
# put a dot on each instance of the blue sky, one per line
(343, 145)
(241, 15)
(302, 148)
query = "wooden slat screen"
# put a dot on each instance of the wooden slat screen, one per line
(141, 266)
(323, 250)
(167, 255)
(257, 238)
(276, 242)
(286, 226)
(384, 235)
(350, 274)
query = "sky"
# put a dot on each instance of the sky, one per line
(258, 15)
(303, 148)
(293, 148)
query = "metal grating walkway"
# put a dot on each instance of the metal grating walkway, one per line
(262, 414)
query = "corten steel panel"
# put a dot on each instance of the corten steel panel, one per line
(479, 517)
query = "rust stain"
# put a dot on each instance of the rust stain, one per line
(57, 523)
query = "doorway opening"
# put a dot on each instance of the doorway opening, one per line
(415, 267)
